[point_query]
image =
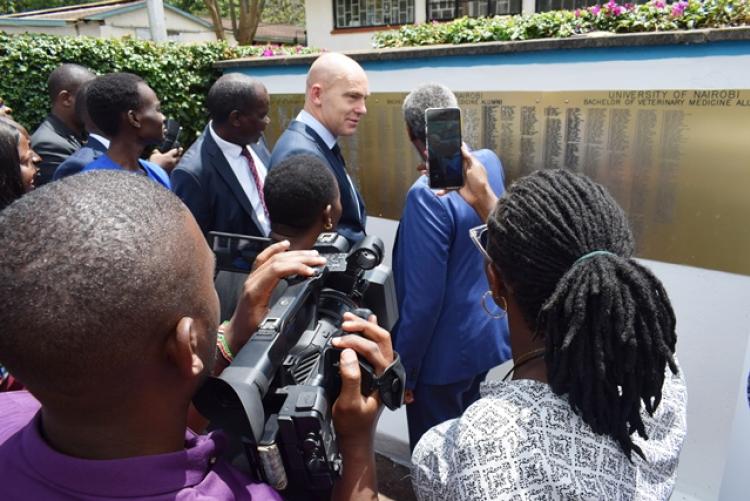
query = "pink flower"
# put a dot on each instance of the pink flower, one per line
(678, 9)
(595, 10)
(613, 8)
(629, 6)
(577, 13)
(267, 52)
(659, 4)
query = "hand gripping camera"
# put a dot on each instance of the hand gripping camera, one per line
(276, 396)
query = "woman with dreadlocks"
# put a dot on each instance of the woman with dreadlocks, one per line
(595, 409)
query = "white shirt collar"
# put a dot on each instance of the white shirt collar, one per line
(318, 127)
(101, 139)
(230, 149)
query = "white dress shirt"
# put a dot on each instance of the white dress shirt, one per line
(233, 153)
(101, 139)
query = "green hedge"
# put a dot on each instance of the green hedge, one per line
(656, 15)
(180, 74)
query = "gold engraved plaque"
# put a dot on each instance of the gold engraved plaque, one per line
(677, 161)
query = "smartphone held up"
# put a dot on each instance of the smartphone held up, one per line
(444, 160)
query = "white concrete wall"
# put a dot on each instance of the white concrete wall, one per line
(540, 72)
(319, 25)
(90, 28)
(68, 30)
(139, 19)
(108, 31)
(134, 24)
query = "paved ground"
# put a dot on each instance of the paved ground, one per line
(394, 483)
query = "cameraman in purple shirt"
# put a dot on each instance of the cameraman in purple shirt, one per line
(109, 318)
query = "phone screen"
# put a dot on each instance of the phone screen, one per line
(236, 252)
(444, 160)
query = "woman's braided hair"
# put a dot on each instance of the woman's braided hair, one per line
(607, 321)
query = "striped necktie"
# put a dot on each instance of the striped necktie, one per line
(258, 183)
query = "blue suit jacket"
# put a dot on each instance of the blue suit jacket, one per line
(206, 183)
(443, 335)
(298, 138)
(80, 159)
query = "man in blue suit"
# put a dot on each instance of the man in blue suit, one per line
(98, 142)
(335, 96)
(220, 178)
(446, 340)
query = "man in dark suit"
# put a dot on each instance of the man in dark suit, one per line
(96, 144)
(220, 178)
(334, 104)
(60, 134)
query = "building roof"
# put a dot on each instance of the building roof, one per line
(96, 11)
(99, 11)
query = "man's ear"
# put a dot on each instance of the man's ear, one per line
(133, 119)
(316, 92)
(234, 118)
(328, 218)
(418, 143)
(66, 98)
(182, 348)
(421, 148)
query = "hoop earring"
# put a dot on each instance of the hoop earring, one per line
(503, 309)
(328, 226)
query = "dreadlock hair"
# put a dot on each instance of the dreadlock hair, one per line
(608, 325)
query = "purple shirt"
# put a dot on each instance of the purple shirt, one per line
(31, 469)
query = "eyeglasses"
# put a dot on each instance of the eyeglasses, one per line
(478, 235)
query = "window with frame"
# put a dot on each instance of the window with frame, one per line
(444, 10)
(547, 5)
(370, 13)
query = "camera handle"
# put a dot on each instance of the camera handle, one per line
(391, 384)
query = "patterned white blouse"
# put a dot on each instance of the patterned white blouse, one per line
(520, 441)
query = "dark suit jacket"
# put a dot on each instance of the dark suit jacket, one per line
(54, 142)
(299, 138)
(80, 159)
(205, 182)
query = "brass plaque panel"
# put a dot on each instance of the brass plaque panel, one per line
(678, 161)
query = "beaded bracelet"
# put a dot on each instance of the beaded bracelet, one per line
(223, 345)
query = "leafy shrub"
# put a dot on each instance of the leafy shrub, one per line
(180, 74)
(656, 15)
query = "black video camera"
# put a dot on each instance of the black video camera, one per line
(276, 396)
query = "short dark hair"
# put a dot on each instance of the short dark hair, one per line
(95, 269)
(607, 322)
(68, 77)
(11, 185)
(109, 96)
(298, 190)
(233, 91)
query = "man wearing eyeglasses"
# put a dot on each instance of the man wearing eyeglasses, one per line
(446, 339)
